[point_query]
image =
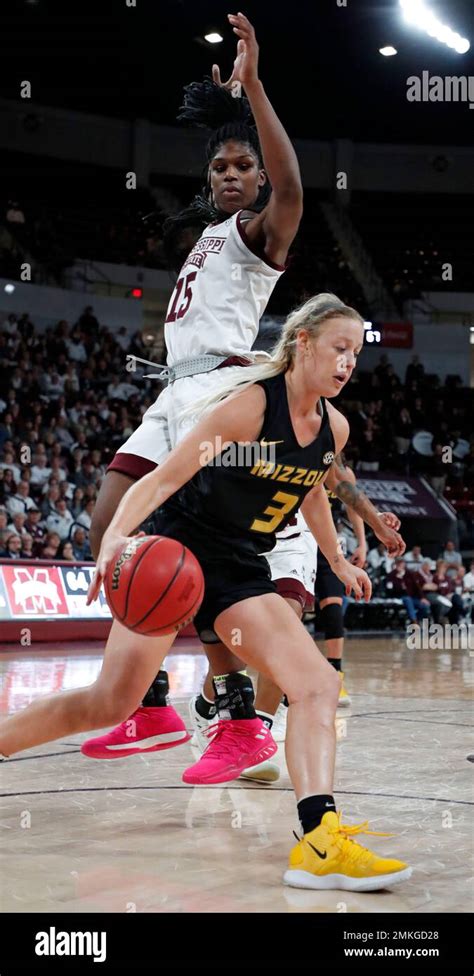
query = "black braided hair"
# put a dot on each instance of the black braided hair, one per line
(208, 105)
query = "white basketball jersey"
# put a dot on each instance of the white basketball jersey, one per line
(220, 295)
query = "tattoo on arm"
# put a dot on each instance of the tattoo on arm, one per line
(353, 497)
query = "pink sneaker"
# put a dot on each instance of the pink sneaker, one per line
(147, 730)
(233, 747)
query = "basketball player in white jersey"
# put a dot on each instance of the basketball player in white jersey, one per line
(211, 324)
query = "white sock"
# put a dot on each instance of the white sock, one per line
(264, 715)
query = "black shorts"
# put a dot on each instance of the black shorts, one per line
(327, 583)
(232, 571)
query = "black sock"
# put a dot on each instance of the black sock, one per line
(336, 663)
(234, 696)
(204, 708)
(311, 810)
(266, 719)
(157, 694)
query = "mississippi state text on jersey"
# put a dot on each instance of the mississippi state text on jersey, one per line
(221, 293)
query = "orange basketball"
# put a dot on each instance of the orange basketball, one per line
(154, 586)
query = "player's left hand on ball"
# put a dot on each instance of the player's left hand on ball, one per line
(112, 542)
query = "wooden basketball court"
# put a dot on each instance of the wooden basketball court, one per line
(128, 835)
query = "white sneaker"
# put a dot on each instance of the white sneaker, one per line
(279, 723)
(200, 726)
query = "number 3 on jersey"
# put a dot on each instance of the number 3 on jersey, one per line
(182, 297)
(285, 502)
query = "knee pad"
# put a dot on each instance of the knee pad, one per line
(331, 621)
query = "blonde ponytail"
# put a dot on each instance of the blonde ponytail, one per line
(311, 316)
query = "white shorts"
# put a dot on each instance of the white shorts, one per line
(293, 567)
(163, 425)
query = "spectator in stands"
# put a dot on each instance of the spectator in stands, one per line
(414, 371)
(430, 590)
(66, 551)
(403, 431)
(468, 581)
(408, 586)
(61, 520)
(88, 323)
(62, 434)
(87, 475)
(369, 453)
(382, 367)
(34, 526)
(10, 325)
(17, 524)
(122, 338)
(12, 547)
(451, 555)
(57, 469)
(378, 559)
(20, 501)
(418, 415)
(9, 464)
(77, 502)
(414, 558)
(50, 546)
(40, 471)
(27, 547)
(51, 498)
(445, 588)
(85, 518)
(120, 390)
(80, 545)
(75, 348)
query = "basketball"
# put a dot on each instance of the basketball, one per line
(154, 586)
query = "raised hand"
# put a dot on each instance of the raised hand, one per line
(246, 63)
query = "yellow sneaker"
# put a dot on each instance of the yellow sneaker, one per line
(344, 698)
(328, 858)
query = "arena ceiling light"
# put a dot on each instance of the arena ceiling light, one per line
(419, 15)
(9, 289)
(388, 51)
(213, 37)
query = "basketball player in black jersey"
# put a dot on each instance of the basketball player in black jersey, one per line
(228, 516)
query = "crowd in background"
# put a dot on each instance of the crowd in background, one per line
(69, 404)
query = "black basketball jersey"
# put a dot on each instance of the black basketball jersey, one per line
(251, 500)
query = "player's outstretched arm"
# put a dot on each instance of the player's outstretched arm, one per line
(342, 481)
(317, 512)
(275, 227)
(238, 418)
